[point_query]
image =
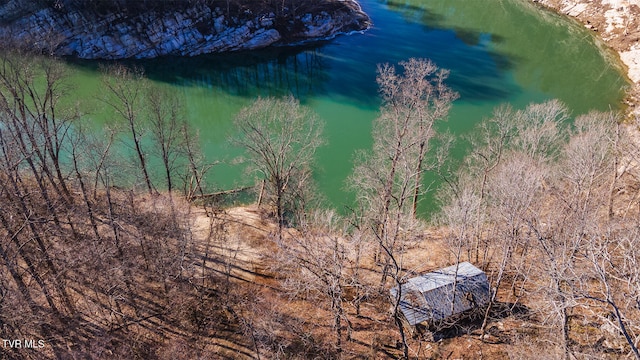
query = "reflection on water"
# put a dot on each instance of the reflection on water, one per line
(497, 51)
(280, 71)
(274, 72)
(543, 51)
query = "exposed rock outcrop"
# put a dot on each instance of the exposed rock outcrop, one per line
(618, 24)
(192, 29)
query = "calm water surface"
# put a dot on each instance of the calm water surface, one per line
(499, 51)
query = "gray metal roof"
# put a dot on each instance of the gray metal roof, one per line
(429, 297)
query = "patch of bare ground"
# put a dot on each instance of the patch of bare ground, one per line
(226, 296)
(122, 288)
(278, 324)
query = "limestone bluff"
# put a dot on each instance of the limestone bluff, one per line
(100, 29)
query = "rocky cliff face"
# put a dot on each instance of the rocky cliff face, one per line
(185, 31)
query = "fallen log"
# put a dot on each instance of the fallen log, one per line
(220, 193)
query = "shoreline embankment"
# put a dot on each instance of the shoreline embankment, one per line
(617, 23)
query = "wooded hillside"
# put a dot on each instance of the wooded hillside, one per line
(547, 207)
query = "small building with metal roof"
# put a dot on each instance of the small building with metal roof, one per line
(434, 297)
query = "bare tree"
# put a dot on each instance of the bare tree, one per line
(317, 263)
(488, 147)
(538, 129)
(514, 193)
(388, 179)
(576, 202)
(532, 132)
(34, 187)
(126, 89)
(280, 138)
(79, 144)
(458, 216)
(605, 258)
(31, 122)
(500, 191)
(415, 101)
(611, 278)
(32, 89)
(166, 123)
(193, 176)
(385, 191)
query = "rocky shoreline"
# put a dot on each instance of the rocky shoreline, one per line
(202, 27)
(618, 23)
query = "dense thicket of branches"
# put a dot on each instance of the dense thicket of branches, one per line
(543, 205)
(548, 207)
(388, 180)
(79, 254)
(281, 138)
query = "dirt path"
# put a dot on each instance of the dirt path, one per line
(232, 242)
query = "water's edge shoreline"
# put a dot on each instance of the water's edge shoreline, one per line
(202, 29)
(91, 32)
(617, 23)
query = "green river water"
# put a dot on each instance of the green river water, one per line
(498, 51)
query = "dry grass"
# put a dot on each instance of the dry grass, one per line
(229, 299)
(301, 326)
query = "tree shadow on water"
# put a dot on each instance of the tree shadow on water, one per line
(275, 71)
